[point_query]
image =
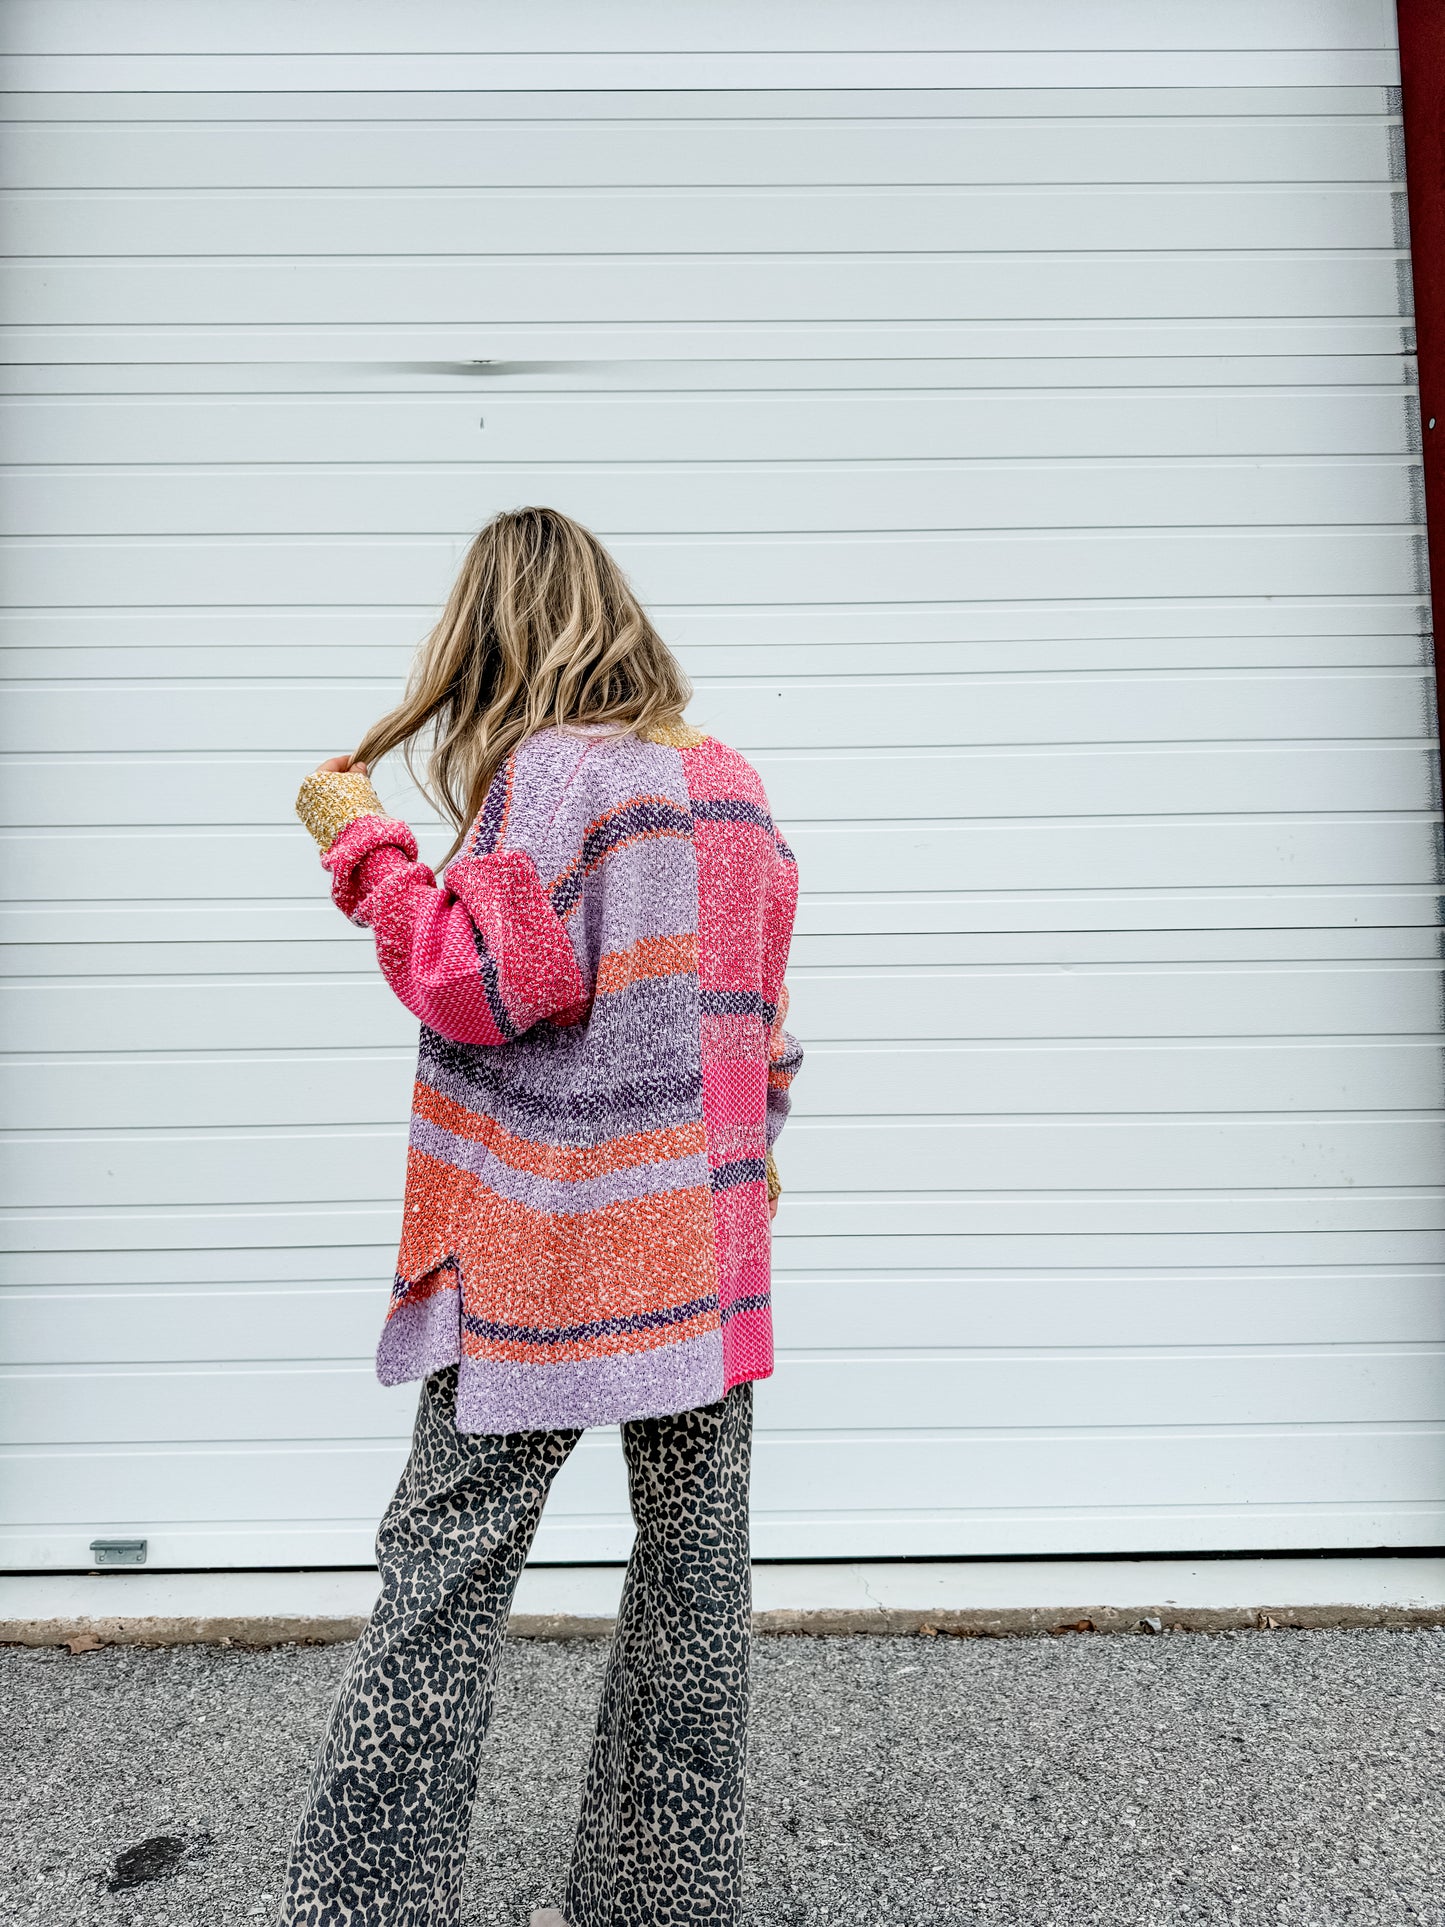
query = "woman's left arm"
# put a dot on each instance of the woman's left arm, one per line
(479, 955)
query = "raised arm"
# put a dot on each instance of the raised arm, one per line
(479, 955)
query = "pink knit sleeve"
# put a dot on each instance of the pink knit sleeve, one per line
(479, 956)
(784, 1052)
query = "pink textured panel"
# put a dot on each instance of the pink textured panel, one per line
(741, 952)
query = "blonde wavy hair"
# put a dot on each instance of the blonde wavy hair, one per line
(541, 629)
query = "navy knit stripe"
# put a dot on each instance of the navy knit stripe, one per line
(598, 1328)
(492, 985)
(489, 823)
(402, 1286)
(731, 809)
(675, 1094)
(737, 1003)
(755, 1301)
(739, 1171)
(651, 816)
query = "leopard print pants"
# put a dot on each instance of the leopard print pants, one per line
(383, 1836)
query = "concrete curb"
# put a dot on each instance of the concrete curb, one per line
(1008, 1623)
(984, 1599)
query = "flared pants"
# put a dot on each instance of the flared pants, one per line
(382, 1839)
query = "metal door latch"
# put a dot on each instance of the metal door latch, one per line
(118, 1552)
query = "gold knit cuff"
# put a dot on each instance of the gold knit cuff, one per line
(675, 734)
(775, 1183)
(329, 799)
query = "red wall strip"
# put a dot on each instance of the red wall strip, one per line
(1422, 74)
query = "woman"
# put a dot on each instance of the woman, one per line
(599, 976)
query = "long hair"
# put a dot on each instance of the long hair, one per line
(541, 629)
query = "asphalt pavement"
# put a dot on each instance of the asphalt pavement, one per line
(1287, 1778)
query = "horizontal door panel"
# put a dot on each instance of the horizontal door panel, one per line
(329, 27)
(350, 635)
(880, 1006)
(879, 1154)
(1344, 1235)
(1212, 854)
(263, 721)
(371, 1087)
(736, 371)
(869, 786)
(306, 1267)
(278, 1482)
(1000, 1532)
(956, 1476)
(1059, 782)
(359, 1087)
(1242, 1000)
(707, 664)
(821, 1315)
(1008, 922)
(1139, 1232)
(1005, 1390)
(1165, 145)
(498, 288)
(833, 1228)
(781, 568)
(1050, 1078)
(607, 1537)
(1296, 1465)
(1284, 1386)
(348, 952)
(590, 220)
(195, 347)
(742, 498)
(90, 1490)
(301, 1319)
(896, 951)
(306, 1319)
(1050, 62)
(539, 429)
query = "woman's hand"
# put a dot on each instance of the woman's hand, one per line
(340, 766)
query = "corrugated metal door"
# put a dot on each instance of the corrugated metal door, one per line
(1019, 445)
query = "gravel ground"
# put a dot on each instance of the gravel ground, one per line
(1289, 1778)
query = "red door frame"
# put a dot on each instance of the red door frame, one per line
(1422, 81)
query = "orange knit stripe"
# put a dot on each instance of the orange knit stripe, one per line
(537, 1269)
(569, 1164)
(439, 1109)
(648, 957)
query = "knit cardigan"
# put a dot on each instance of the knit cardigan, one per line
(602, 1074)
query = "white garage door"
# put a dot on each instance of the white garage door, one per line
(1018, 443)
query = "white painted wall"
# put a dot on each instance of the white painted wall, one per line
(1007, 410)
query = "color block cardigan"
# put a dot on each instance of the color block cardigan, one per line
(602, 1074)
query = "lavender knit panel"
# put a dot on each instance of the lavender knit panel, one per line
(565, 784)
(420, 1336)
(495, 1397)
(634, 1065)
